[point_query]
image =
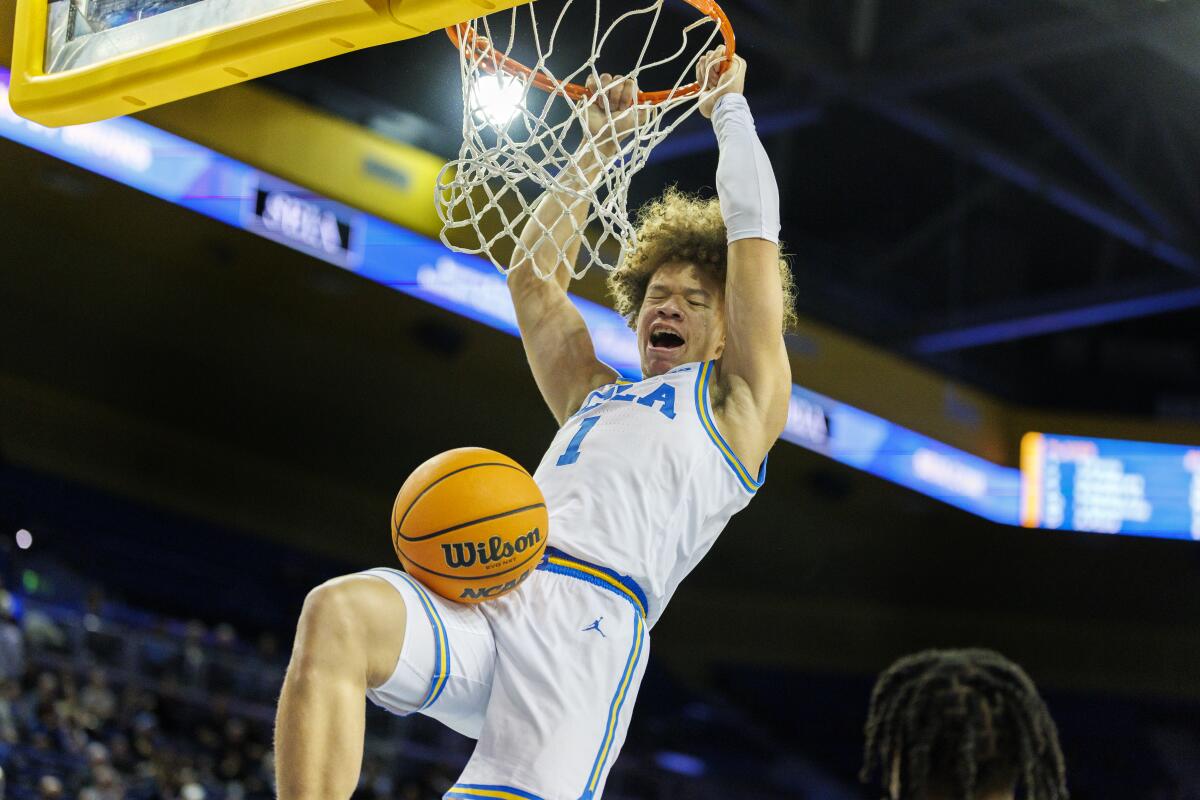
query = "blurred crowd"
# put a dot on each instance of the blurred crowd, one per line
(72, 728)
(100, 700)
(104, 703)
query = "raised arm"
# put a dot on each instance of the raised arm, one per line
(754, 369)
(557, 343)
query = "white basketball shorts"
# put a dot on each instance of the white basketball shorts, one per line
(545, 677)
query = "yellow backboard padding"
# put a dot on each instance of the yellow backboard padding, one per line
(214, 58)
(333, 157)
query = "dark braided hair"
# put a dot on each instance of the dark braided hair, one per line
(961, 724)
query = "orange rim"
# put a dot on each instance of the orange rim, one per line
(494, 61)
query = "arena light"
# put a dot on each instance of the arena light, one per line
(497, 100)
(194, 177)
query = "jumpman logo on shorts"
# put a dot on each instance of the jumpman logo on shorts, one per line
(595, 626)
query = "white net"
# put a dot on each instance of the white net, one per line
(519, 146)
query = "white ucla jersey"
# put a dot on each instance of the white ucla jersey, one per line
(641, 481)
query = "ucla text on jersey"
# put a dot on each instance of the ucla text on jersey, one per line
(662, 397)
(640, 480)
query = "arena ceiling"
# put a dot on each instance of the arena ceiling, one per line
(1006, 191)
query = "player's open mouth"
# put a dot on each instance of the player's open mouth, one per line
(664, 341)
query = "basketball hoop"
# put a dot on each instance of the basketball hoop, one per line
(494, 61)
(479, 198)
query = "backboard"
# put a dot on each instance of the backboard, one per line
(77, 61)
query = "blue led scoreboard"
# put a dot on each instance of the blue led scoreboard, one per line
(1110, 486)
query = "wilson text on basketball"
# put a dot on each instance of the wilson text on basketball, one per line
(466, 554)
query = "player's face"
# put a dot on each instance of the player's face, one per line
(682, 318)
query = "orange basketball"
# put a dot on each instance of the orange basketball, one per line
(470, 524)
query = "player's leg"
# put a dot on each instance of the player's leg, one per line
(382, 634)
(349, 638)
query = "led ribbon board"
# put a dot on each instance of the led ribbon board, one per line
(873, 444)
(199, 179)
(1110, 486)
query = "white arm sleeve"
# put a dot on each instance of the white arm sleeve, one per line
(745, 181)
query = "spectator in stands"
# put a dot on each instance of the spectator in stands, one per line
(45, 693)
(12, 642)
(961, 725)
(105, 784)
(121, 754)
(160, 654)
(9, 692)
(194, 659)
(97, 698)
(50, 788)
(222, 677)
(43, 633)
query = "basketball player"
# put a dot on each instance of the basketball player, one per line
(639, 481)
(961, 725)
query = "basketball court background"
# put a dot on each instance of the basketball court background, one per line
(993, 211)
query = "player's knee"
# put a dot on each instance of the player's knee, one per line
(329, 619)
(350, 622)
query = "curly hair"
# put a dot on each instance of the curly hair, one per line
(960, 723)
(682, 227)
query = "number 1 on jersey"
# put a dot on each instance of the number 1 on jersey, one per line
(571, 454)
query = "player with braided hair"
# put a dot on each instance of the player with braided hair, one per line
(962, 725)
